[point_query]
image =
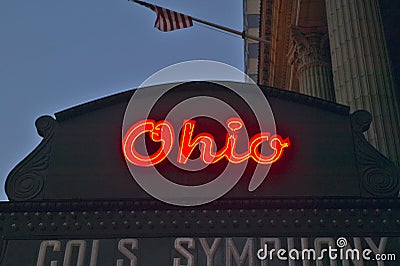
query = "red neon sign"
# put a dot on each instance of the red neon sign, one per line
(163, 132)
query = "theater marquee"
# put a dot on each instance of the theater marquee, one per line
(209, 251)
(112, 185)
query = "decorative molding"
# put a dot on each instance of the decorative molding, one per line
(236, 218)
(266, 8)
(26, 180)
(379, 176)
(152, 204)
(283, 15)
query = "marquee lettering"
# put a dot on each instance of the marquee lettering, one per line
(163, 132)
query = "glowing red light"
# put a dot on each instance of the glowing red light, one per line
(163, 132)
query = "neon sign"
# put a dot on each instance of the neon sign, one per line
(163, 133)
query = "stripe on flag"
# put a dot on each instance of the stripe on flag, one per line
(168, 20)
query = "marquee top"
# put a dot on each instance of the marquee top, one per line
(80, 156)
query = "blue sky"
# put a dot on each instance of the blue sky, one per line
(58, 54)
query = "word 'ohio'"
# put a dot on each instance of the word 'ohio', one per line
(163, 133)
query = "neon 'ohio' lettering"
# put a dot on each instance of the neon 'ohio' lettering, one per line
(163, 132)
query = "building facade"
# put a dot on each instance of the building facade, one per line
(341, 51)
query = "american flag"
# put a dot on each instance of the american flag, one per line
(168, 20)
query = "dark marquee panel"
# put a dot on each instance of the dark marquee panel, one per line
(36, 233)
(74, 202)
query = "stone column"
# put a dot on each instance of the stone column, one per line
(361, 69)
(311, 58)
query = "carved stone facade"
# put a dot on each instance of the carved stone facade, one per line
(361, 69)
(335, 50)
(311, 59)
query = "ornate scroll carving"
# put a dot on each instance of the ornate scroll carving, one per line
(379, 176)
(26, 180)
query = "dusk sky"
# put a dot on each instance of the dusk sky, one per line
(58, 54)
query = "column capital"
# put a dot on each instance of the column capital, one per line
(310, 47)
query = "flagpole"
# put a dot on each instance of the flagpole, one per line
(243, 34)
